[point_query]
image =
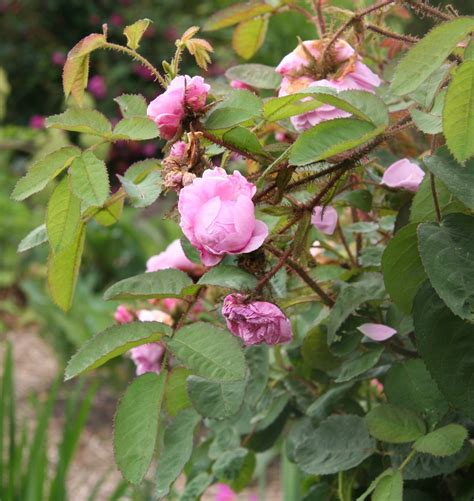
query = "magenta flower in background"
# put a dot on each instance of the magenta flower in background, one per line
(36, 122)
(218, 215)
(256, 322)
(116, 20)
(403, 174)
(225, 493)
(182, 95)
(172, 257)
(325, 219)
(97, 87)
(147, 357)
(237, 84)
(349, 74)
(122, 315)
(377, 332)
(58, 58)
(149, 149)
(142, 72)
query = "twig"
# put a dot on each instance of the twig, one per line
(346, 245)
(435, 197)
(188, 308)
(428, 9)
(274, 270)
(320, 23)
(391, 34)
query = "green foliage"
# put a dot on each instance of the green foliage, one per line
(389, 488)
(81, 120)
(444, 441)
(143, 193)
(259, 76)
(228, 277)
(135, 128)
(244, 140)
(34, 238)
(135, 32)
(176, 394)
(236, 14)
(132, 105)
(249, 36)
(136, 425)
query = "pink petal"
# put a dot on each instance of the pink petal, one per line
(377, 332)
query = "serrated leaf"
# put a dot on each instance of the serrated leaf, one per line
(446, 251)
(63, 217)
(43, 171)
(427, 122)
(132, 105)
(215, 399)
(315, 351)
(113, 342)
(89, 180)
(389, 487)
(81, 120)
(135, 129)
(458, 179)
(176, 451)
(249, 36)
(110, 215)
(330, 138)
(229, 464)
(155, 284)
(34, 238)
(209, 351)
(135, 31)
(138, 171)
(136, 425)
(236, 14)
(458, 113)
(359, 364)
(326, 403)
(145, 192)
(423, 59)
(63, 269)
(195, 488)
(446, 344)
(230, 277)
(338, 444)
(259, 76)
(444, 441)
(245, 140)
(176, 393)
(279, 108)
(403, 271)
(393, 424)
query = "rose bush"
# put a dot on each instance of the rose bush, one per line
(348, 355)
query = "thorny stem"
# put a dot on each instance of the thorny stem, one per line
(435, 197)
(346, 245)
(320, 23)
(274, 270)
(429, 10)
(143, 61)
(191, 302)
(391, 34)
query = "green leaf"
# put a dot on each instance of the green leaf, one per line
(458, 179)
(423, 209)
(229, 464)
(338, 444)
(209, 351)
(89, 180)
(132, 105)
(239, 106)
(110, 214)
(389, 488)
(245, 140)
(176, 393)
(358, 365)
(458, 112)
(229, 277)
(279, 108)
(315, 351)
(81, 120)
(216, 399)
(330, 138)
(258, 363)
(259, 76)
(138, 171)
(428, 123)
(444, 441)
(176, 451)
(423, 59)
(63, 270)
(410, 385)
(446, 251)
(145, 192)
(249, 36)
(135, 129)
(190, 252)
(430, 88)
(393, 424)
(113, 342)
(446, 344)
(63, 217)
(135, 31)
(403, 271)
(360, 199)
(155, 284)
(43, 171)
(374, 484)
(136, 425)
(195, 488)
(34, 238)
(236, 14)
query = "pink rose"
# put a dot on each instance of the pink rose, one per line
(256, 322)
(403, 174)
(178, 150)
(97, 87)
(237, 84)
(225, 493)
(36, 122)
(58, 58)
(122, 315)
(349, 74)
(377, 332)
(172, 257)
(325, 219)
(169, 108)
(218, 215)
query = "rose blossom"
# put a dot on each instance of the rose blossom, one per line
(122, 315)
(178, 150)
(377, 332)
(298, 72)
(97, 87)
(36, 122)
(218, 215)
(172, 257)
(325, 219)
(403, 174)
(169, 108)
(256, 322)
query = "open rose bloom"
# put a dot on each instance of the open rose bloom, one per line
(172, 257)
(218, 215)
(347, 72)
